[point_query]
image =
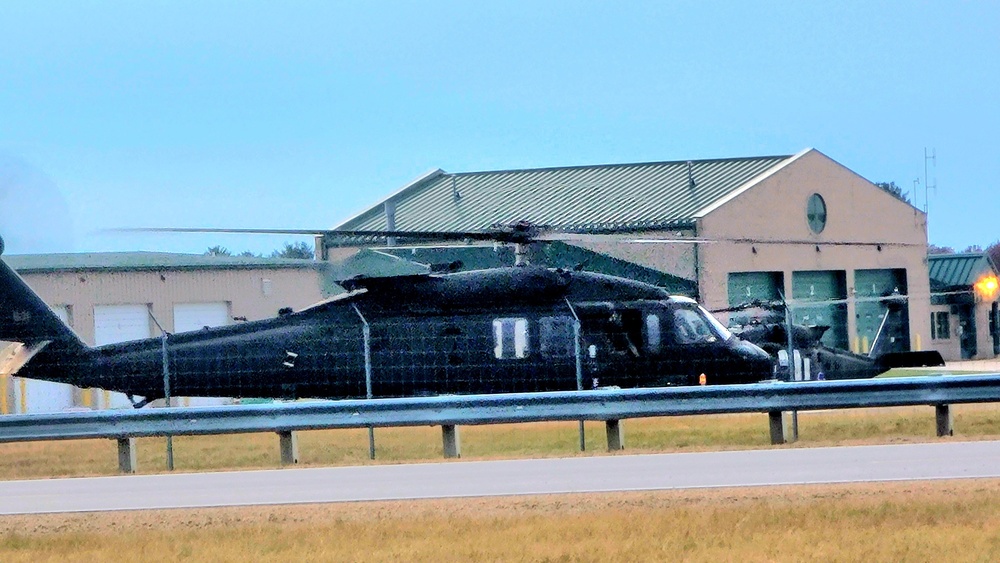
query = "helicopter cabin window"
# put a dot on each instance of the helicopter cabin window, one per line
(691, 328)
(510, 338)
(556, 336)
(652, 334)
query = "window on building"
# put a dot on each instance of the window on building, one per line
(510, 338)
(940, 325)
(556, 336)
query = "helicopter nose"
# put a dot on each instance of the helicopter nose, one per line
(760, 364)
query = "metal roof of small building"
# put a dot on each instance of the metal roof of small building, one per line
(612, 197)
(119, 261)
(957, 270)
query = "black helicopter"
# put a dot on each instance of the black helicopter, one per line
(513, 329)
(770, 332)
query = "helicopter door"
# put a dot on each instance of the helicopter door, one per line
(622, 348)
(625, 330)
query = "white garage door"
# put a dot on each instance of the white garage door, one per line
(46, 396)
(118, 323)
(196, 316)
(62, 311)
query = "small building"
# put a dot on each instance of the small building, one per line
(798, 228)
(118, 296)
(965, 321)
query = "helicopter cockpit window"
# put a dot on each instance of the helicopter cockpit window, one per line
(556, 336)
(510, 338)
(690, 327)
(720, 328)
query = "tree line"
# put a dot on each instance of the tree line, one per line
(300, 250)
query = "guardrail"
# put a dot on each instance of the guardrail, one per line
(610, 406)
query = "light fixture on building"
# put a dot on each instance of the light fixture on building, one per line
(987, 287)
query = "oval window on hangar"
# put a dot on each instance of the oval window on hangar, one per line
(816, 213)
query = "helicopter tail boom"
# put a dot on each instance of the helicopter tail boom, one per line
(25, 318)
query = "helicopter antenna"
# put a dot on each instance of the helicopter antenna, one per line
(158, 325)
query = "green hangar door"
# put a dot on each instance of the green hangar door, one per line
(748, 287)
(819, 298)
(880, 305)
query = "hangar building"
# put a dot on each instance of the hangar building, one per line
(803, 227)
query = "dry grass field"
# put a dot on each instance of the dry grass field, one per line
(879, 522)
(954, 520)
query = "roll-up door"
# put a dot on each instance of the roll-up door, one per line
(120, 323)
(747, 287)
(62, 311)
(874, 291)
(195, 316)
(819, 298)
(46, 396)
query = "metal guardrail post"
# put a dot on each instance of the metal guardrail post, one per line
(450, 440)
(126, 455)
(289, 445)
(942, 414)
(777, 426)
(616, 435)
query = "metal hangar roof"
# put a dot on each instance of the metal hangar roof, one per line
(610, 197)
(119, 261)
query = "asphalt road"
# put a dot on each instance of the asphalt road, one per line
(513, 477)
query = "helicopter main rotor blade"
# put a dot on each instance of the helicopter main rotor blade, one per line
(304, 232)
(514, 235)
(585, 237)
(519, 233)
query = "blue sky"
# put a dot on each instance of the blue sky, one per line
(300, 114)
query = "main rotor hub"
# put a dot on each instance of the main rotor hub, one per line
(520, 232)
